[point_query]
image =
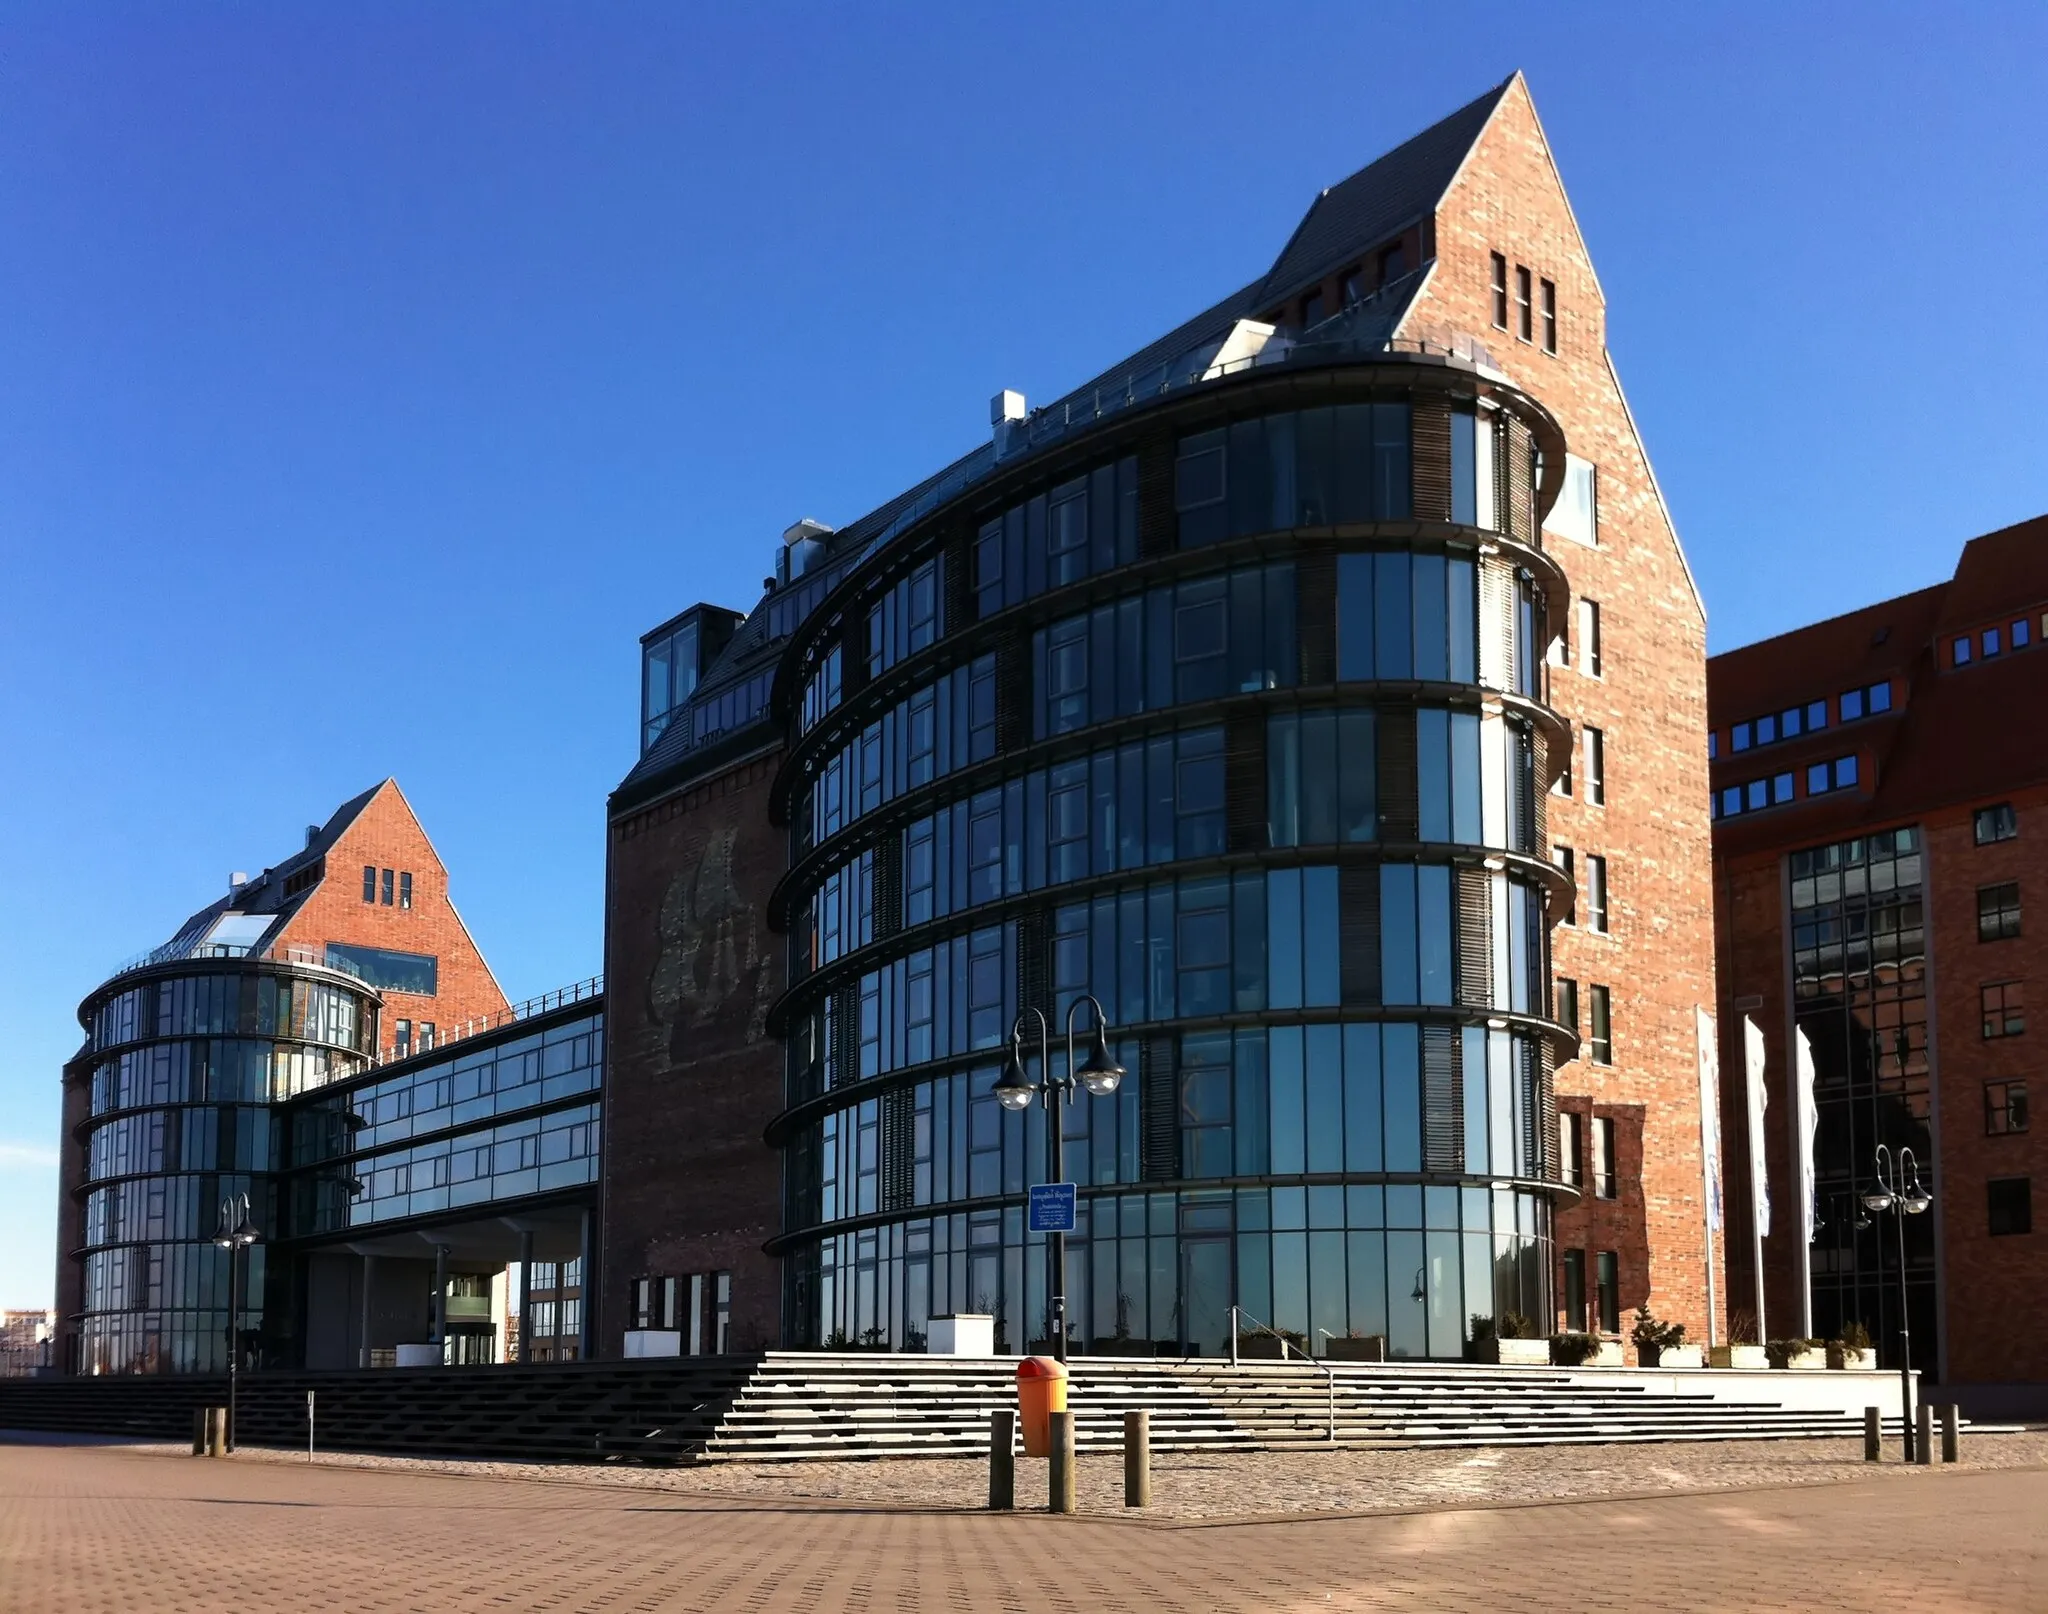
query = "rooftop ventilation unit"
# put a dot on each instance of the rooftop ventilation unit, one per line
(1006, 415)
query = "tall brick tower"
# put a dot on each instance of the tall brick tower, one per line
(1512, 266)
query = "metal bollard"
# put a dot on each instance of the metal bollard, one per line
(1060, 1475)
(1951, 1432)
(198, 1431)
(1002, 1459)
(1873, 1438)
(1923, 1451)
(1138, 1459)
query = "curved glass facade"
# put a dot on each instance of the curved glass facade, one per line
(1232, 717)
(183, 1063)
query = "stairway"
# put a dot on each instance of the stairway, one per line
(789, 1405)
(799, 1405)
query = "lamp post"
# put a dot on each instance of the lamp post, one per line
(1099, 1074)
(237, 1233)
(1900, 1192)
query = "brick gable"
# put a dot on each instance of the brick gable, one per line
(1650, 705)
(386, 834)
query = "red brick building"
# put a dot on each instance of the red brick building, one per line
(1880, 839)
(789, 1082)
(344, 957)
(377, 888)
(1632, 952)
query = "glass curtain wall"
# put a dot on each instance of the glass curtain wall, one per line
(1336, 1046)
(1859, 971)
(185, 1070)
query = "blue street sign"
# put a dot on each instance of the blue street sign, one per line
(1052, 1208)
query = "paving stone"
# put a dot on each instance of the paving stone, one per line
(102, 1527)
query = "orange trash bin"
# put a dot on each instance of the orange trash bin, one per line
(1041, 1391)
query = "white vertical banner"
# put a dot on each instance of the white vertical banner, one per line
(1759, 1173)
(1705, 1035)
(1805, 1123)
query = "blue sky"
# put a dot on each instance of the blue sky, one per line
(371, 377)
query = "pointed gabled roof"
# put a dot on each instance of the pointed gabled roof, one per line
(1380, 199)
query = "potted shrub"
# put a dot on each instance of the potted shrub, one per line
(1797, 1355)
(1661, 1344)
(1852, 1349)
(1574, 1349)
(1742, 1350)
(1356, 1347)
(1507, 1340)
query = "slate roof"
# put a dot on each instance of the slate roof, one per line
(1379, 200)
(265, 893)
(1345, 220)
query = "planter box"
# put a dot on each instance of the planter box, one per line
(1511, 1352)
(1750, 1358)
(654, 1342)
(962, 1333)
(1811, 1361)
(1606, 1353)
(1853, 1361)
(1120, 1347)
(1372, 1348)
(1672, 1355)
(1261, 1348)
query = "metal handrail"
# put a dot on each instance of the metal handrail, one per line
(458, 1031)
(1239, 1315)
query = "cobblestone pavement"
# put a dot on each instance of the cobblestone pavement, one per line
(94, 1528)
(1219, 1485)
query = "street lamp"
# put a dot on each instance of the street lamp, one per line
(237, 1233)
(1899, 1191)
(1099, 1073)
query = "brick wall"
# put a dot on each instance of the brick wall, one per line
(1990, 1285)
(1650, 702)
(386, 835)
(692, 1077)
(1979, 1275)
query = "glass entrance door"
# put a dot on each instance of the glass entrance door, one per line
(1205, 1292)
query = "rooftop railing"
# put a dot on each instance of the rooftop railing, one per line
(175, 951)
(476, 1026)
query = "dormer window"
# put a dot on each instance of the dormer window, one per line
(669, 665)
(1312, 309)
(1393, 262)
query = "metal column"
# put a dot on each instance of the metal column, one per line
(369, 1282)
(588, 1331)
(526, 1295)
(440, 1294)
